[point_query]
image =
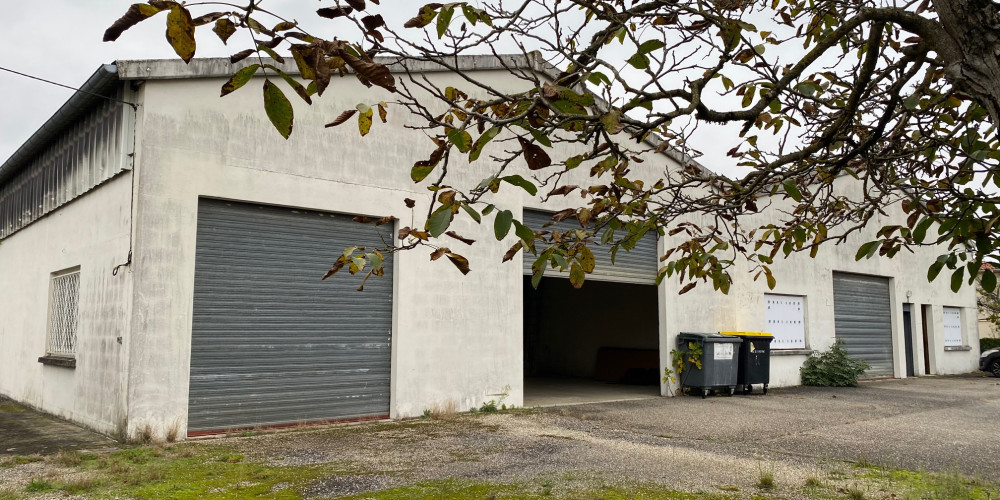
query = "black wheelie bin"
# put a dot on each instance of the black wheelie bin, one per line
(718, 358)
(755, 360)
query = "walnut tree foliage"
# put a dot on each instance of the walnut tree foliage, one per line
(902, 96)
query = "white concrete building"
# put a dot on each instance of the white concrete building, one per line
(160, 255)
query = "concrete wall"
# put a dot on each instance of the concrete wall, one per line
(91, 232)
(743, 307)
(456, 339)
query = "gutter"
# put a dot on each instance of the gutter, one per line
(97, 87)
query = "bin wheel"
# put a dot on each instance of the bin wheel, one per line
(732, 390)
(765, 388)
(704, 393)
(748, 389)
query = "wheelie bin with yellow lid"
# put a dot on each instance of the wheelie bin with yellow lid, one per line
(754, 360)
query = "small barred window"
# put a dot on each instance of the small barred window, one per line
(64, 302)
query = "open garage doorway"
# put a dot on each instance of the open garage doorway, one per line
(596, 343)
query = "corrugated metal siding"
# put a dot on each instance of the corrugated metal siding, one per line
(863, 320)
(89, 152)
(636, 266)
(272, 344)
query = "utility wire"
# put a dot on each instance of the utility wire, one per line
(57, 84)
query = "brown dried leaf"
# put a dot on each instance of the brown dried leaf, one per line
(534, 155)
(404, 232)
(363, 219)
(239, 56)
(333, 12)
(447, 198)
(337, 266)
(460, 262)
(562, 215)
(687, 288)
(384, 220)
(134, 15)
(512, 251)
(563, 190)
(358, 5)
(461, 238)
(371, 72)
(440, 252)
(373, 22)
(208, 18)
(409, 203)
(382, 111)
(341, 118)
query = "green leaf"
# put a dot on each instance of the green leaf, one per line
(988, 281)
(573, 162)
(934, 270)
(278, 109)
(651, 45)
(867, 250)
(808, 88)
(180, 32)
(481, 143)
(956, 279)
(598, 78)
(501, 225)
(525, 233)
(472, 213)
(639, 61)
(540, 137)
(224, 28)
(576, 275)
(461, 139)
(239, 79)
(444, 19)
(920, 231)
(521, 182)
(439, 221)
(421, 170)
(792, 190)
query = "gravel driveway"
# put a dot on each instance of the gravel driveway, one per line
(934, 423)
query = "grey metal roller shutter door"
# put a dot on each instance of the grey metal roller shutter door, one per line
(272, 344)
(636, 266)
(862, 316)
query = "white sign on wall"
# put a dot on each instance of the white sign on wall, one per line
(784, 317)
(952, 319)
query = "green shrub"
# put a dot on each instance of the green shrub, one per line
(987, 344)
(832, 368)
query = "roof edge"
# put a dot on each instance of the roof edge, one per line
(92, 90)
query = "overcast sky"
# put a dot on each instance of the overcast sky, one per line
(60, 41)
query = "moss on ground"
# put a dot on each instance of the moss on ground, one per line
(187, 471)
(918, 485)
(468, 490)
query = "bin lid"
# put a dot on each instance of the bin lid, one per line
(748, 334)
(709, 338)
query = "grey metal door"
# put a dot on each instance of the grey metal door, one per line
(862, 316)
(636, 266)
(272, 344)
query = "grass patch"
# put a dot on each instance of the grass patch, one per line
(468, 490)
(766, 479)
(18, 460)
(917, 485)
(187, 471)
(40, 485)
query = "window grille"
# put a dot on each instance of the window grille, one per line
(63, 312)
